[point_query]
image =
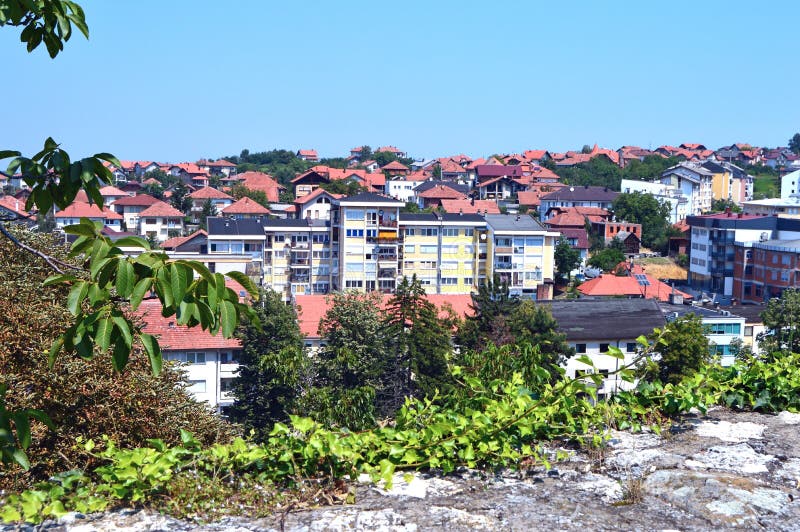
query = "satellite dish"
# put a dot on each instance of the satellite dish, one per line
(572, 189)
(483, 237)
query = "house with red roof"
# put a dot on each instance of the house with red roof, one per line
(190, 174)
(308, 155)
(244, 208)
(536, 156)
(131, 206)
(160, 221)
(111, 194)
(392, 149)
(208, 361)
(452, 170)
(219, 200)
(13, 209)
(220, 167)
(469, 206)
(263, 182)
(633, 282)
(78, 209)
(197, 242)
(316, 205)
(311, 309)
(432, 197)
(395, 168)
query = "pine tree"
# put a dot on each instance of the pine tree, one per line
(272, 367)
(491, 307)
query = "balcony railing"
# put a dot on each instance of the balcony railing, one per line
(502, 266)
(387, 256)
(387, 274)
(504, 249)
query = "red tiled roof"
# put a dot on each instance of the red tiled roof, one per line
(311, 309)
(449, 166)
(151, 181)
(162, 209)
(391, 149)
(17, 206)
(174, 337)
(466, 206)
(245, 205)
(79, 209)
(529, 198)
(137, 200)
(209, 193)
(190, 168)
(579, 234)
(314, 194)
(417, 176)
(395, 165)
(172, 243)
(441, 192)
(567, 219)
(263, 182)
(112, 191)
(221, 163)
(609, 284)
(307, 153)
(534, 155)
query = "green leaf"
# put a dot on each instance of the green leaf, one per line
(153, 350)
(102, 335)
(139, 291)
(584, 359)
(5, 154)
(179, 281)
(125, 278)
(80, 229)
(615, 352)
(246, 282)
(124, 328)
(21, 458)
(23, 426)
(76, 296)
(56, 279)
(132, 242)
(201, 270)
(54, 350)
(227, 316)
(121, 353)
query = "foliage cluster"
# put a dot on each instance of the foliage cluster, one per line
(85, 398)
(600, 171)
(654, 216)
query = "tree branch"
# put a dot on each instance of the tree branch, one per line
(53, 262)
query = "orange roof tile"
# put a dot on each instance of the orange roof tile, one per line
(172, 243)
(263, 182)
(112, 191)
(79, 209)
(137, 200)
(466, 206)
(17, 206)
(162, 209)
(441, 192)
(311, 308)
(609, 284)
(245, 205)
(395, 165)
(174, 337)
(209, 193)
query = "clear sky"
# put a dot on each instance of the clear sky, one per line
(175, 80)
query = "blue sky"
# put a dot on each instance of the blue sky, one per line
(183, 79)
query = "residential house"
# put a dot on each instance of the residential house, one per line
(160, 221)
(630, 234)
(190, 174)
(220, 167)
(401, 188)
(434, 196)
(520, 251)
(73, 213)
(300, 257)
(391, 149)
(366, 227)
(219, 200)
(784, 207)
(729, 182)
(245, 207)
(111, 194)
(395, 168)
(632, 281)
(585, 196)
(585, 322)
(197, 242)
(695, 184)
(131, 207)
(316, 205)
(723, 329)
(671, 195)
(469, 206)
(790, 185)
(308, 155)
(763, 269)
(208, 360)
(264, 183)
(442, 250)
(13, 209)
(244, 237)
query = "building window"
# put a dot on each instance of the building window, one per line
(580, 348)
(428, 231)
(604, 348)
(468, 281)
(150, 221)
(469, 232)
(449, 280)
(427, 249)
(748, 330)
(350, 283)
(449, 231)
(226, 385)
(354, 233)
(409, 248)
(630, 347)
(409, 231)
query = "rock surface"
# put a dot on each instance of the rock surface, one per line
(723, 470)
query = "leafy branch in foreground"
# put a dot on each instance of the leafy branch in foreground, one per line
(115, 280)
(44, 21)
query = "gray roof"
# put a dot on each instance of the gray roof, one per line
(607, 318)
(581, 193)
(427, 185)
(511, 222)
(233, 227)
(702, 312)
(294, 223)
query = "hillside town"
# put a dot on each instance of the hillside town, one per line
(369, 219)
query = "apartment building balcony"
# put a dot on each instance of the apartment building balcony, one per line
(299, 263)
(388, 239)
(385, 221)
(503, 250)
(299, 245)
(295, 277)
(502, 266)
(386, 257)
(387, 273)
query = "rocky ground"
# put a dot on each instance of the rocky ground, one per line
(723, 470)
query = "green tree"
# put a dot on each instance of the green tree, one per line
(420, 343)
(239, 191)
(567, 258)
(180, 198)
(491, 306)
(781, 319)
(607, 259)
(366, 153)
(272, 367)
(208, 210)
(794, 143)
(154, 189)
(437, 171)
(351, 366)
(348, 187)
(720, 205)
(535, 324)
(681, 349)
(645, 209)
(599, 171)
(384, 157)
